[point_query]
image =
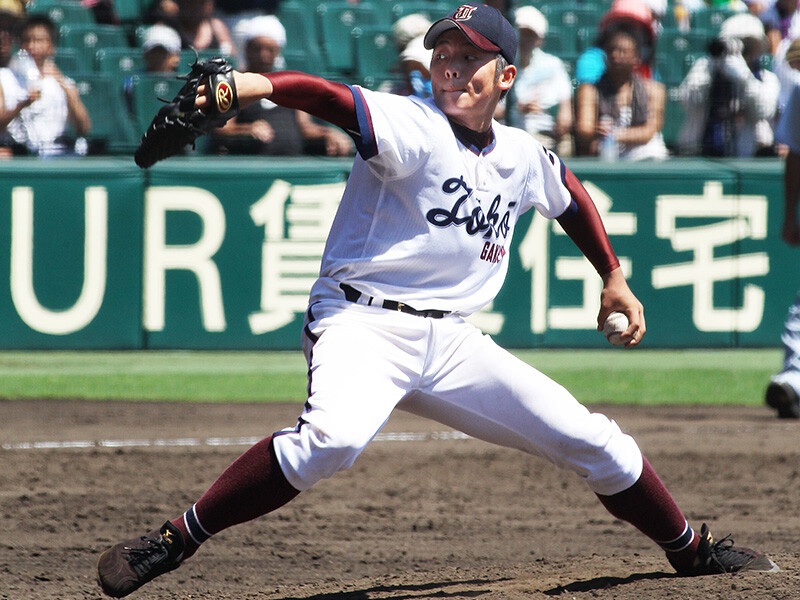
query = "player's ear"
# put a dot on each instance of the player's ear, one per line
(507, 77)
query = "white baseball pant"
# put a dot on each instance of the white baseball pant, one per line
(364, 361)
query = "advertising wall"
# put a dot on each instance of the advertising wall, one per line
(213, 254)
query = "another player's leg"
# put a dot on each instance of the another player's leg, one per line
(530, 412)
(783, 391)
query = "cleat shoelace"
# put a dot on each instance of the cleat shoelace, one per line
(142, 560)
(724, 547)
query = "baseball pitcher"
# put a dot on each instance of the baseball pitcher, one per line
(421, 240)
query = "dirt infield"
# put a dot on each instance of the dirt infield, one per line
(420, 518)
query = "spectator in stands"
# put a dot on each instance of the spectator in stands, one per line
(622, 115)
(787, 68)
(161, 54)
(502, 5)
(160, 10)
(632, 16)
(414, 64)
(103, 11)
(408, 28)
(757, 7)
(729, 99)
(161, 49)
(14, 8)
(196, 23)
(9, 24)
(781, 21)
(543, 87)
(659, 9)
(264, 127)
(37, 101)
(413, 59)
(233, 12)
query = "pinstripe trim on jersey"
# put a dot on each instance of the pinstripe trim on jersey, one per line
(474, 140)
(474, 149)
(193, 526)
(310, 319)
(366, 144)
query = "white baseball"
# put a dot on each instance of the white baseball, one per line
(615, 324)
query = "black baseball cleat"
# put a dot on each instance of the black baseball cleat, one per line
(723, 557)
(783, 398)
(127, 566)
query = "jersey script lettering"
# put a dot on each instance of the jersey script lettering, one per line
(476, 221)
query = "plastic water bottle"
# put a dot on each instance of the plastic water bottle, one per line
(609, 146)
(682, 16)
(25, 69)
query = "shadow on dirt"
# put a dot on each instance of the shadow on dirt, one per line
(411, 591)
(604, 583)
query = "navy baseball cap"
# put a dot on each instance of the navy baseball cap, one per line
(484, 26)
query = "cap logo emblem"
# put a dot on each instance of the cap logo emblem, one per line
(464, 12)
(224, 95)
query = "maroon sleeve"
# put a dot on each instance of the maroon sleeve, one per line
(583, 225)
(329, 101)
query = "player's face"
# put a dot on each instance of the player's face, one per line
(464, 81)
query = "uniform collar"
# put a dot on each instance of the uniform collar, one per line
(477, 141)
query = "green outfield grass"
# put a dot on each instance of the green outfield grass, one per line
(613, 375)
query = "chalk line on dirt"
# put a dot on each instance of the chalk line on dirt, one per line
(407, 436)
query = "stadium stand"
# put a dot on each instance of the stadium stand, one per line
(375, 54)
(62, 12)
(68, 60)
(572, 16)
(336, 22)
(112, 131)
(146, 92)
(119, 63)
(298, 18)
(432, 10)
(86, 40)
(130, 11)
(709, 19)
(334, 39)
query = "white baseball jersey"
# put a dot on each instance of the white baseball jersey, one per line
(427, 221)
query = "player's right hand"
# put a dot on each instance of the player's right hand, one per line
(617, 296)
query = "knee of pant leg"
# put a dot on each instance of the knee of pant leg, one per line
(309, 454)
(608, 460)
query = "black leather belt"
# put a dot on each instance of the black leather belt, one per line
(351, 294)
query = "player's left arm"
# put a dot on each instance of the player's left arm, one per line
(583, 224)
(330, 101)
